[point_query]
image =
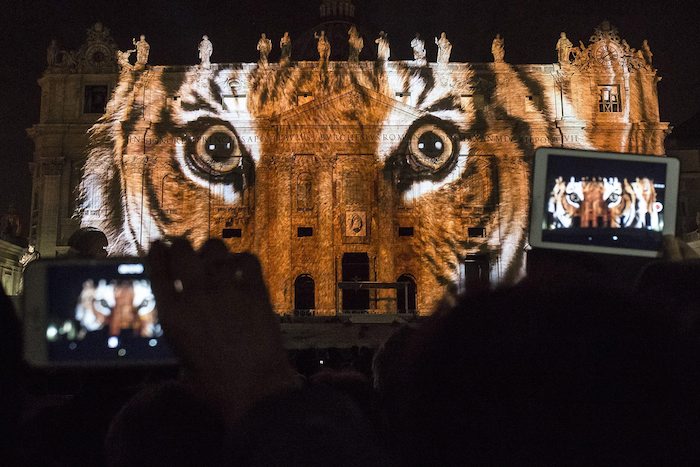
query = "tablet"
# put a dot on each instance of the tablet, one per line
(602, 202)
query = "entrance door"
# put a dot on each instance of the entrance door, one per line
(355, 268)
(304, 295)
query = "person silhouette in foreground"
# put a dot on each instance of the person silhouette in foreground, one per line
(10, 376)
(217, 317)
(563, 371)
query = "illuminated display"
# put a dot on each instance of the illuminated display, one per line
(102, 312)
(375, 145)
(605, 203)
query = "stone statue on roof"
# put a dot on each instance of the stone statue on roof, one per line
(444, 49)
(383, 49)
(419, 54)
(205, 50)
(323, 47)
(563, 49)
(10, 224)
(264, 47)
(498, 49)
(123, 60)
(285, 48)
(355, 44)
(52, 53)
(142, 51)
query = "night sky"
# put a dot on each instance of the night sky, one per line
(173, 29)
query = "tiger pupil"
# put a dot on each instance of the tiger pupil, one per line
(430, 144)
(219, 147)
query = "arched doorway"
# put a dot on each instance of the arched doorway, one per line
(355, 268)
(304, 295)
(402, 296)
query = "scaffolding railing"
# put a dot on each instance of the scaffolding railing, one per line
(400, 287)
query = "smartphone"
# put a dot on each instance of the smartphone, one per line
(91, 313)
(601, 202)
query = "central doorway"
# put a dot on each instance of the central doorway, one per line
(355, 267)
(304, 295)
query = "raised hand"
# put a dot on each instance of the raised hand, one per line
(216, 314)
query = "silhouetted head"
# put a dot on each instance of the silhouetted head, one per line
(165, 425)
(88, 242)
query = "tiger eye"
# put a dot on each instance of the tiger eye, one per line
(219, 146)
(218, 151)
(430, 148)
(430, 144)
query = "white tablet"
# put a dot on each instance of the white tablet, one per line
(602, 202)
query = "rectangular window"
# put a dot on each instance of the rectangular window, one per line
(405, 231)
(474, 100)
(305, 231)
(231, 102)
(95, 100)
(609, 98)
(304, 97)
(231, 233)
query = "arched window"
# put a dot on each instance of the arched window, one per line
(304, 295)
(406, 296)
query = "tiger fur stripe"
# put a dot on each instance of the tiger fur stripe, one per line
(255, 152)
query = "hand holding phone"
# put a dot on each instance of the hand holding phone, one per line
(216, 312)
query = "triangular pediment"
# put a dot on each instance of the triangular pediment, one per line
(358, 96)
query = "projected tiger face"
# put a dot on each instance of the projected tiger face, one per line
(619, 200)
(119, 305)
(347, 154)
(565, 202)
(647, 215)
(603, 202)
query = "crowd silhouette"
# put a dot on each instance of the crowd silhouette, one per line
(585, 362)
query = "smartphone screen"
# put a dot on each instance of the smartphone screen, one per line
(101, 311)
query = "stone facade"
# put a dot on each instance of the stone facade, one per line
(10, 268)
(324, 172)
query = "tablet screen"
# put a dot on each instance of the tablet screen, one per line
(604, 201)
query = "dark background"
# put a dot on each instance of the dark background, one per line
(174, 28)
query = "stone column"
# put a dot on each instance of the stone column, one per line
(50, 173)
(326, 291)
